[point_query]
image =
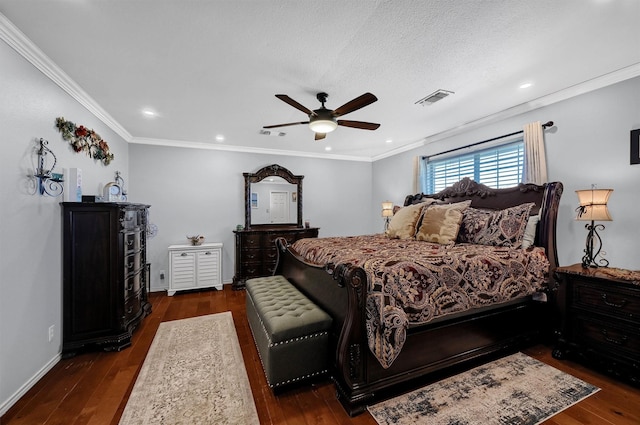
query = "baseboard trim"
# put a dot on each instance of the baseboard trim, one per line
(7, 404)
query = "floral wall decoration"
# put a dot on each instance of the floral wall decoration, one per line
(84, 139)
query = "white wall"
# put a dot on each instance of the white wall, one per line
(201, 191)
(589, 144)
(30, 229)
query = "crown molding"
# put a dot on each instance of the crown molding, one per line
(244, 149)
(11, 35)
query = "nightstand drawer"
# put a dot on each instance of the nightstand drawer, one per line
(618, 301)
(607, 337)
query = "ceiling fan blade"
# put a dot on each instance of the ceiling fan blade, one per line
(320, 136)
(359, 124)
(287, 99)
(285, 125)
(355, 104)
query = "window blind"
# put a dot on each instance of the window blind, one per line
(497, 167)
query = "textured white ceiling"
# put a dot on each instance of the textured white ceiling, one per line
(213, 67)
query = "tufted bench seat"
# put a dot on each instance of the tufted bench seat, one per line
(290, 331)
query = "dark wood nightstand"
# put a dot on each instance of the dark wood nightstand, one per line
(599, 312)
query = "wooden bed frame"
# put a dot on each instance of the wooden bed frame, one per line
(436, 346)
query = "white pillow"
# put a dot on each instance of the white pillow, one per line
(530, 231)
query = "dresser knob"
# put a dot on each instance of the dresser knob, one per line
(611, 304)
(184, 254)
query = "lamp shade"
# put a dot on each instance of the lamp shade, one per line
(593, 205)
(387, 209)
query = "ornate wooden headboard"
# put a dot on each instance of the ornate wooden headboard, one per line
(546, 198)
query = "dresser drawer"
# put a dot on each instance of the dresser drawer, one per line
(132, 307)
(607, 336)
(132, 242)
(251, 241)
(129, 219)
(616, 301)
(132, 285)
(132, 263)
(252, 255)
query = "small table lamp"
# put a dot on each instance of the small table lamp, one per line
(593, 207)
(387, 213)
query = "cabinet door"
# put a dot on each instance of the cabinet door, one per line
(208, 268)
(90, 295)
(183, 270)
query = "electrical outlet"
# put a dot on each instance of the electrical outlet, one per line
(52, 330)
(161, 274)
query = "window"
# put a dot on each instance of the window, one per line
(497, 167)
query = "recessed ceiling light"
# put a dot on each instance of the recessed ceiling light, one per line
(219, 138)
(149, 113)
(525, 85)
(328, 148)
(388, 141)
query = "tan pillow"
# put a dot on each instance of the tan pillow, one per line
(403, 223)
(441, 223)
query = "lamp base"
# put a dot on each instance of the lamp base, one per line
(593, 247)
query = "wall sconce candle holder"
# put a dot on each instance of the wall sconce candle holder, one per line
(49, 183)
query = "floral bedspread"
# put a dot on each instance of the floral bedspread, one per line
(412, 282)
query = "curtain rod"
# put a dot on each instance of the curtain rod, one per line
(544, 126)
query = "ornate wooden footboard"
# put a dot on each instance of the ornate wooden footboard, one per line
(342, 290)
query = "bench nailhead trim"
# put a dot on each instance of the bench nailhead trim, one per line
(297, 379)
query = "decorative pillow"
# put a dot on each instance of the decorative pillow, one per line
(403, 223)
(441, 222)
(530, 231)
(498, 228)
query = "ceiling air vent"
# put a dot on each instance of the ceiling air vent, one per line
(434, 97)
(271, 133)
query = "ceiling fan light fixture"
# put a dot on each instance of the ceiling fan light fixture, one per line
(323, 125)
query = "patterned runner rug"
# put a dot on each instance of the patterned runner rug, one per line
(513, 390)
(193, 374)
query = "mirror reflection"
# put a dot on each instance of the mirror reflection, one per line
(273, 198)
(274, 201)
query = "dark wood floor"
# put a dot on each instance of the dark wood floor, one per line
(93, 388)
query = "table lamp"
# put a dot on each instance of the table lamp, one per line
(387, 213)
(593, 207)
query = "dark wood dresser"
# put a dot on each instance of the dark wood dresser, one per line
(600, 319)
(105, 274)
(256, 253)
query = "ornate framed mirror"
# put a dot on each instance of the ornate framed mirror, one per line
(272, 197)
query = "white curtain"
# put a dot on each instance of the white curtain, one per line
(416, 175)
(535, 159)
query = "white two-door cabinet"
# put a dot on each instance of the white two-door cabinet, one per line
(195, 267)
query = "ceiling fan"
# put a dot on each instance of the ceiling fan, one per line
(323, 120)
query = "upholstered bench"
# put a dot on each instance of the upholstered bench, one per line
(290, 331)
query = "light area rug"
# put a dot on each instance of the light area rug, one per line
(193, 374)
(513, 390)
